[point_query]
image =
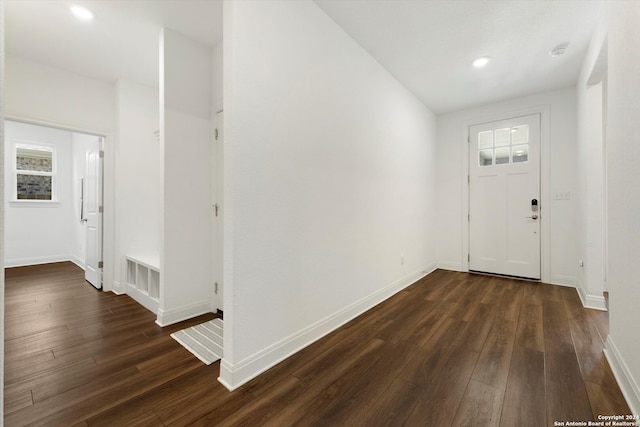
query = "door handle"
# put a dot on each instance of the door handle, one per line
(532, 217)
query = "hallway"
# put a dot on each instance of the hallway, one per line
(451, 347)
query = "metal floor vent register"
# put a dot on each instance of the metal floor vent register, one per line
(204, 340)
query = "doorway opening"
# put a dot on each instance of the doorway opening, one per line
(54, 193)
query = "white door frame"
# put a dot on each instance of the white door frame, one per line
(108, 181)
(545, 258)
(217, 236)
(98, 221)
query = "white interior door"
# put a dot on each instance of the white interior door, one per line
(93, 212)
(504, 197)
(216, 202)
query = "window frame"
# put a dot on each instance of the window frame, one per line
(510, 146)
(20, 143)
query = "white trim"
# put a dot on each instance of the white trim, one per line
(226, 371)
(545, 191)
(450, 265)
(166, 318)
(464, 255)
(595, 302)
(150, 261)
(118, 288)
(621, 372)
(30, 203)
(77, 261)
(592, 301)
(23, 262)
(36, 120)
(545, 201)
(143, 298)
(560, 280)
(233, 376)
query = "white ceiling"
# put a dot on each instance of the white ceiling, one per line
(122, 40)
(428, 45)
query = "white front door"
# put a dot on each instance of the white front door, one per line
(93, 208)
(217, 154)
(504, 197)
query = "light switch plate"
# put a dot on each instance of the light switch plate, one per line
(562, 195)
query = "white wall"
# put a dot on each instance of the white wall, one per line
(138, 176)
(38, 232)
(592, 157)
(46, 94)
(560, 164)
(216, 78)
(186, 138)
(329, 180)
(623, 192)
(49, 95)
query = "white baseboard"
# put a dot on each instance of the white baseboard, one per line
(143, 298)
(235, 375)
(568, 281)
(452, 266)
(627, 383)
(595, 302)
(226, 371)
(118, 288)
(77, 261)
(23, 262)
(592, 301)
(166, 318)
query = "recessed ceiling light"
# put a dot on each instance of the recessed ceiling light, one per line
(82, 13)
(481, 62)
(558, 50)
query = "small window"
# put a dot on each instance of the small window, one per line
(520, 134)
(34, 172)
(485, 158)
(503, 146)
(520, 153)
(503, 137)
(502, 156)
(485, 139)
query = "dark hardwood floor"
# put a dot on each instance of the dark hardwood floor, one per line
(453, 349)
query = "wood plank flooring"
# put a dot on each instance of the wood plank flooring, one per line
(453, 349)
